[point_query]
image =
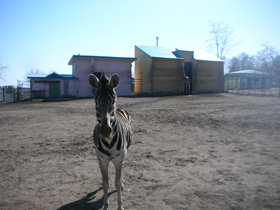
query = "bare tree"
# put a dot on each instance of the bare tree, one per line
(221, 39)
(34, 72)
(241, 62)
(3, 69)
(269, 60)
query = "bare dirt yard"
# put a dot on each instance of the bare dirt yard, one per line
(196, 152)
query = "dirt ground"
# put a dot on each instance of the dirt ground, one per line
(218, 151)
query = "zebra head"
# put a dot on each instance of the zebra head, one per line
(105, 99)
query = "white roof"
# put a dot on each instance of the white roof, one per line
(202, 55)
(157, 52)
(248, 71)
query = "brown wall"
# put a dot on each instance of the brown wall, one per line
(187, 55)
(167, 76)
(157, 75)
(209, 76)
(142, 74)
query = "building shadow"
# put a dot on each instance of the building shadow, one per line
(85, 203)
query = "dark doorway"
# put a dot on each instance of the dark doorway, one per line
(188, 69)
(188, 72)
(54, 90)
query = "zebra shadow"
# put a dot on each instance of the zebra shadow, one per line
(85, 203)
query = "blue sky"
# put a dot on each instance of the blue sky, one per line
(44, 34)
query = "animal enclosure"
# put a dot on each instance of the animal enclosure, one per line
(196, 152)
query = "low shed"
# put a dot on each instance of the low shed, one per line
(53, 86)
(247, 79)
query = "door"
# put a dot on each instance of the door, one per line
(249, 83)
(263, 83)
(54, 90)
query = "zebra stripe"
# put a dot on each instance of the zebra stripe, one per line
(122, 134)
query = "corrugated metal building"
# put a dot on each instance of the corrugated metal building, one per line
(205, 70)
(157, 71)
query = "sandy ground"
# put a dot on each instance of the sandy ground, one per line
(188, 152)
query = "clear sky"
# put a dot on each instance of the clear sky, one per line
(44, 34)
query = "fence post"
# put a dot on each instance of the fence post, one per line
(3, 94)
(18, 90)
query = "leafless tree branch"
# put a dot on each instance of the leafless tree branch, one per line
(3, 70)
(221, 39)
(266, 60)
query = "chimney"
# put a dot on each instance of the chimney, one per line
(157, 40)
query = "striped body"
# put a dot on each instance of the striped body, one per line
(119, 141)
(112, 133)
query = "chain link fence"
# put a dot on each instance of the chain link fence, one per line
(252, 84)
(20, 92)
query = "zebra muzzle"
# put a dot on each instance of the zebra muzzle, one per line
(105, 130)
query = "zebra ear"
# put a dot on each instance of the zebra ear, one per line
(114, 81)
(93, 81)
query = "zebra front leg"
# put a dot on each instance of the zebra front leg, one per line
(119, 182)
(105, 181)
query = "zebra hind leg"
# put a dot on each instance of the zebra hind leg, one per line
(105, 181)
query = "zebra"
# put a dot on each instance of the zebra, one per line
(112, 133)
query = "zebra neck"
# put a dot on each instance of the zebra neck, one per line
(110, 142)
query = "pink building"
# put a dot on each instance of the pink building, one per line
(76, 85)
(83, 65)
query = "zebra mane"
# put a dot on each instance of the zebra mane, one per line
(104, 91)
(104, 79)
